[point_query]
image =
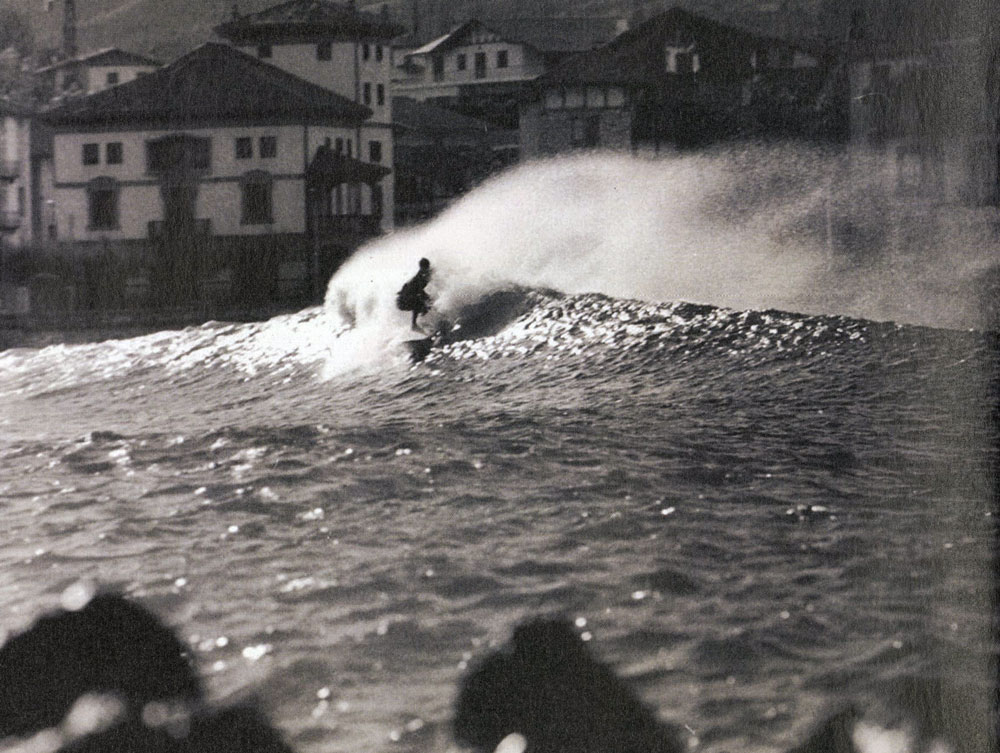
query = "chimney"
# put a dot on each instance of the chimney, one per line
(69, 30)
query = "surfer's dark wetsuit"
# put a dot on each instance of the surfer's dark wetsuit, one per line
(412, 296)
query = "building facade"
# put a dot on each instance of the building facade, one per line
(676, 80)
(472, 55)
(94, 72)
(926, 116)
(343, 50)
(440, 156)
(16, 191)
(482, 70)
(218, 167)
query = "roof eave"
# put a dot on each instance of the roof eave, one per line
(68, 122)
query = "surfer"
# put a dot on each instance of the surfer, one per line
(413, 297)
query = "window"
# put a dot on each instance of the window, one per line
(244, 147)
(113, 153)
(102, 204)
(367, 94)
(480, 65)
(178, 151)
(256, 209)
(380, 94)
(324, 51)
(460, 61)
(378, 53)
(587, 131)
(21, 203)
(378, 201)
(263, 50)
(375, 151)
(366, 51)
(502, 59)
(268, 146)
(338, 146)
(91, 154)
(112, 78)
(437, 64)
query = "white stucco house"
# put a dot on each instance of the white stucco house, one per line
(344, 50)
(214, 163)
(95, 71)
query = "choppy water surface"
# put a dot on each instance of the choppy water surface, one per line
(341, 532)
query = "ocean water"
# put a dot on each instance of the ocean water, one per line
(755, 469)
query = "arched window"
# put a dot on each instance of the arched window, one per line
(102, 204)
(257, 204)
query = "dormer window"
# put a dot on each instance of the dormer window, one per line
(263, 51)
(502, 59)
(366, 51)
(682, 60)
(324, 51)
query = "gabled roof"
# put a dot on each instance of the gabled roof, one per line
(109, 56)
(308, 20)
(568, 34)
(409, 114)
(214, 82)
(457, 37)
(629, 58)
(542, 33)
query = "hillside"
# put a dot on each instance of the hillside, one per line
(167, 28)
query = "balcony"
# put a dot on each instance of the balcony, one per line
(157, 229)
(9, 169)
(9, 221)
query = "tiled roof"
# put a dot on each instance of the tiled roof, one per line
(106, 57)
(308, 20)
(574, 34)
(627, 59)
(214, 82)
(544, 34)
(331, 169)
(434, 44)
(412, 115)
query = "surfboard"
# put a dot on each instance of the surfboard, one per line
(419, 348)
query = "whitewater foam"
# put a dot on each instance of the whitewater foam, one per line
(799, 229)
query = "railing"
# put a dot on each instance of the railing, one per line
(157, 228)
(9, 221)
(349, 224)
(9, 169)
